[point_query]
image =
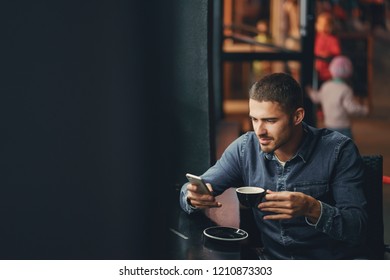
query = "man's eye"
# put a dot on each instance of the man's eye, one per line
(271, 121)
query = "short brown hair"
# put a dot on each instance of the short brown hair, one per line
(278, 87)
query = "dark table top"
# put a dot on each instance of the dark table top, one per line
(187, 241)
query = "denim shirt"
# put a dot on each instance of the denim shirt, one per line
(327, 167)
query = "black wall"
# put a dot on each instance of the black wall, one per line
(103, 108)
(192, 102)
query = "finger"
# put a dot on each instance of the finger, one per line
(279, 210)
(202, 206)
(278, 217)
(192, 187)
(202, 200)
(280, 196)
(267, 192)
(275, 204)
(205, 204)
(274, 196)
(195, 190)
(200, 197)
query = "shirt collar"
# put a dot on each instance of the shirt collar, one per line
(307, 144)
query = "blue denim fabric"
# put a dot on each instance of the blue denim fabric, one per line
(346, 131)
(327, 167)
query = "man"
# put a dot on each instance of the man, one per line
(314, 207)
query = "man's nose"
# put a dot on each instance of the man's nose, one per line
(260, 129)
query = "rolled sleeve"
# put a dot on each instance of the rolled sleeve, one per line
(319, 218)
(183, 201)
(324, 223)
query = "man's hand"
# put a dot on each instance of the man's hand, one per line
(287, 205)
(200, 200)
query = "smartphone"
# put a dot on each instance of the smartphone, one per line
(196, 180)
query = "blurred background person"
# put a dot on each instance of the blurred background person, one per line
(337, 98)
(326, 46)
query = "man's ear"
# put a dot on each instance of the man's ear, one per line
(299, 115)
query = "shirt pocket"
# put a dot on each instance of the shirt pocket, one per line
(316, 189)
